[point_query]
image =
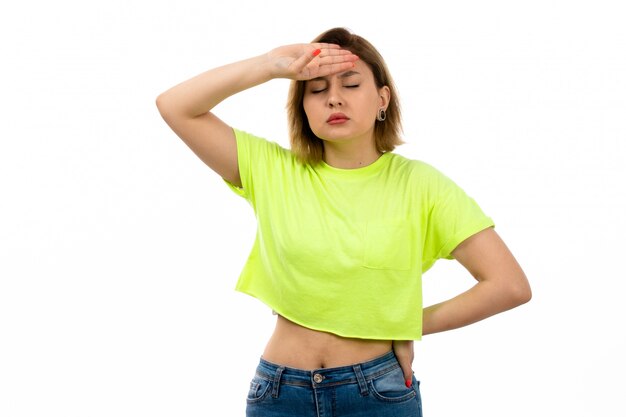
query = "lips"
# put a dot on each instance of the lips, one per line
(337, 118)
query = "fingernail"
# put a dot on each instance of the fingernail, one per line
(408, 383)
(317, 52)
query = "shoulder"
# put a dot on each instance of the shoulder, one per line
(259, 146)
(415, 168)
(255, 140)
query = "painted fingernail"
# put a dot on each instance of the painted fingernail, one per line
(317, 52)
(408, 383)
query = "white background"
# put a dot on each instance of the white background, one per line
(119, 249)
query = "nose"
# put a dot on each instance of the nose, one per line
(334, 95)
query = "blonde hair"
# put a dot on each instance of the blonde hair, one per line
(307, 147)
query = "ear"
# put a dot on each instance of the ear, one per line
(385, 95)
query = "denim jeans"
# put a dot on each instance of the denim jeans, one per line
(373, 388)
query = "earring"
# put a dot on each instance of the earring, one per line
(382, 115)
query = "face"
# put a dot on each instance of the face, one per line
(343, 107)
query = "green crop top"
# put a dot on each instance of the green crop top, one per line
(343, 250)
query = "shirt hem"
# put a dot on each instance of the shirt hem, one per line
(290, 317)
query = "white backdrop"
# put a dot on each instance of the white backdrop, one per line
(119, 249)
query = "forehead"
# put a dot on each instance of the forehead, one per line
(360, 69)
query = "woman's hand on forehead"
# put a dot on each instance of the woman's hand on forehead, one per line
(307, 61)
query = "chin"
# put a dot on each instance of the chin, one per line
(333, 138)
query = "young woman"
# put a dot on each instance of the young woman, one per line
(345, 230)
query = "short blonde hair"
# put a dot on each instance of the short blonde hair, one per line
(307, 147)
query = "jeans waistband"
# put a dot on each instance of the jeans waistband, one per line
(318, 378)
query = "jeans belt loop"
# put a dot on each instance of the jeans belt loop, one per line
(276, 384)
(361, 380)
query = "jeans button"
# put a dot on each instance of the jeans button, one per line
(317, 378)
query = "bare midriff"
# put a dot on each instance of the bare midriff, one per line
(299, 347)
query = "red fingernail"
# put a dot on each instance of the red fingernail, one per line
(317, 52)
(408, 383)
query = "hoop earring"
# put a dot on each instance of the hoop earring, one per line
(382, 115)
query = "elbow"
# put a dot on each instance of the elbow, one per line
(161, 104)
(520, 293)
(524, 295)
(170, 108)
(167, 109)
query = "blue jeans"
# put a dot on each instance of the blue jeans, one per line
(373, 388)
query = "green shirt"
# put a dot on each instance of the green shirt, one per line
(343, 250)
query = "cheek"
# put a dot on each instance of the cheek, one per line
(306, 105)
(309, 110)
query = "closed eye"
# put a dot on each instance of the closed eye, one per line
(320, 90)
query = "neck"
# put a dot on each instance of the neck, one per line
(350, 156)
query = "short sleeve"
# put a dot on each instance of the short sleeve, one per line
(243, 158)
(256, 158)
(453, 217)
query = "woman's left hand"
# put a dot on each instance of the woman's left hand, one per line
(405, 354)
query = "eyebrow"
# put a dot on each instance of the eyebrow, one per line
(343, 75)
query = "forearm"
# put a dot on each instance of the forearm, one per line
(201, 93)
(483, 300)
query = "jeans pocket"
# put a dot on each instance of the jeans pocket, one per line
(390, 387)
(416, 388)
(259, 387)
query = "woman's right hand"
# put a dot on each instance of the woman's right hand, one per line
(307, 61)
(187, 106)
